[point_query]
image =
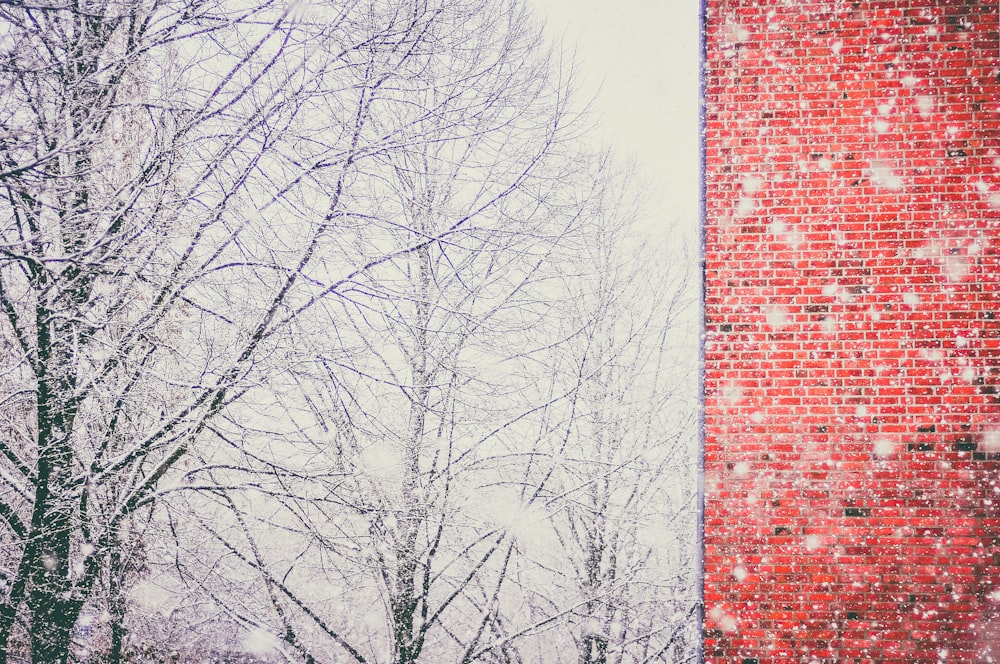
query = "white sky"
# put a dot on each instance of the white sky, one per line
(641, 58)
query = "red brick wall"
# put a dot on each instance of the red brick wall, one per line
(852, 303)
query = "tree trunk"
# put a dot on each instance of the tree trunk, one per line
(51, 593)
(116, 606)
(594, 650)
(51, 628)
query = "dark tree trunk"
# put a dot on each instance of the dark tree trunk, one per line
(595, 650)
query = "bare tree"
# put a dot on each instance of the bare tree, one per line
(624, 496)
(503, 434)
(610, 566)
(399, 407)
(175, 175)
(303, 321)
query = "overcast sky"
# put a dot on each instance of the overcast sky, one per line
(641, 58)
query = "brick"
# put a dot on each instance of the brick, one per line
(875, 531)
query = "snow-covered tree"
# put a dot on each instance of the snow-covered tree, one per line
(287, 299)
(609, 568)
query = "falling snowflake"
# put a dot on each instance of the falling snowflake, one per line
(258, 642)
(884, 447)
(777, 317)
(745, 207)
(731, 393)
(991, 439)
(752, 184)
(882, 175)
(50, 562)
